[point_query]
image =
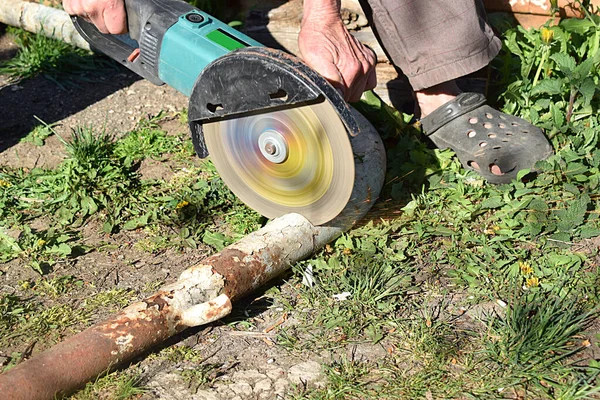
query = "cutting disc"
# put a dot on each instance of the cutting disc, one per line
(295, 160)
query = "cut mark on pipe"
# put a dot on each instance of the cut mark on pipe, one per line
(207, 312)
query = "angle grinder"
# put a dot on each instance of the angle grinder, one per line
(277, 132)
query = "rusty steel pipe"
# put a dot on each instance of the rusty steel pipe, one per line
(202, 294)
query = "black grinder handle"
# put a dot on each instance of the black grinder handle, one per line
(147, 22)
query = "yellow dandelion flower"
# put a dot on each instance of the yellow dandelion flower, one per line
(532, 282)
(41, 242)
(4, 183)
(182, 204)
(492, 230)
(547, 35)
(525, 268)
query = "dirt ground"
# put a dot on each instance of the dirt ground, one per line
(240, 363)
(250, 365)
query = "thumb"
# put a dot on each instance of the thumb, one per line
(115, 18)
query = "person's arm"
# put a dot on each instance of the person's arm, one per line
(327, 47)
(108, 15)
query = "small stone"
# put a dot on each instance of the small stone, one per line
(207, 395)
(224, 392)
(263, 386)
(281, 386)
(250, 376)
(307, 372)
(241, 388)
(275, 373)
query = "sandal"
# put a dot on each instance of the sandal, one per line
(494, 144)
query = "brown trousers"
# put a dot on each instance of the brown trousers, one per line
(433, 41)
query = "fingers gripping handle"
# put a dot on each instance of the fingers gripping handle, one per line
(147, 20)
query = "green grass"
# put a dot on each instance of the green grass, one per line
(40, 133)
(54, 59)
(476, 291)
(472, 291)
(42, 314)
(119, 385)
(99, 181)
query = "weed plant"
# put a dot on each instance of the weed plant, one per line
(471, 290)
(99, 181)
(510, 270)
(54, 59)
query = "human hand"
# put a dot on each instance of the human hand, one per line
(327, 47)
(108, 15)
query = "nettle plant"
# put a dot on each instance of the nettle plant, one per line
(551, 74)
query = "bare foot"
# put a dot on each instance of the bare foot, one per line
(431, 98)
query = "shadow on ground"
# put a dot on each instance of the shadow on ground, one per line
(22, 102)
(51, 101)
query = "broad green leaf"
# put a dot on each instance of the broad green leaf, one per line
(587, 88)
(549, 86)
(511, 43)
(585, 68)
(62, 249)
(565, 63)
(572, 214)
(136, 223)
(108, 227)
(569, 187)
(521, 174)
(589, 231)
(492, 202)
(576, 25)
(558, 116)
(538, 205)
(37, 267)
(534, 116)
(215, 239)
(543, 103)
(594, 46)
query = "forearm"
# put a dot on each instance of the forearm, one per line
(321, 10)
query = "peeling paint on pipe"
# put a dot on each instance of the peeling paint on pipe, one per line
(203, 293)
(200, 296)
(37, 18)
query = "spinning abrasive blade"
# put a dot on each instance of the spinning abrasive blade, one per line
(294, 160)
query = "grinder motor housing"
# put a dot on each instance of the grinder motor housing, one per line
(225, 73)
